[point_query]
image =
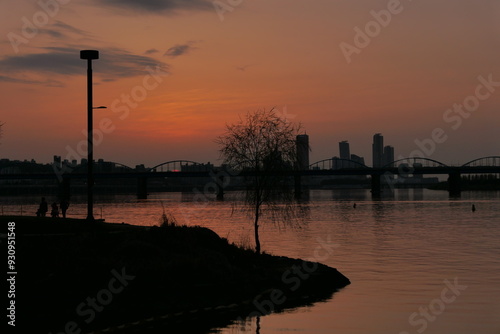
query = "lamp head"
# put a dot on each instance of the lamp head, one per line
(89, 54)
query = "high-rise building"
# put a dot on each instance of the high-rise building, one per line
(302, 146)
(57, 161)
(378, 150)
(344, 150)
(388, 155)
(358, 159)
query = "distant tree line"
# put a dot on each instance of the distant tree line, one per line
(481, 182)
(480, 177)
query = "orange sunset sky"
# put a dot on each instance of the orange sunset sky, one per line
(344, 69)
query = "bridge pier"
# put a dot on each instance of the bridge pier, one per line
(220, 188)
(65, 188)
(454, 184)
(376, 185)
(297, 180)
(142, 187)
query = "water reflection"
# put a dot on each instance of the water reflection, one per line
(305, 196)
(418, 194)
(355, 195)
(397, 249)
(404, 194)
(379, 210)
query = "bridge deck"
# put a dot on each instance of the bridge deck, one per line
(344, 171)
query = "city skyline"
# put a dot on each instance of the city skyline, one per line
(173, 75)
(302, 147)
(385, 152)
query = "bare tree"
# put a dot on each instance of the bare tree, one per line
(264, 145)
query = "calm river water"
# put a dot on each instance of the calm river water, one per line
(418, 261)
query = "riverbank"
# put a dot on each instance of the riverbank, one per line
(73, 276)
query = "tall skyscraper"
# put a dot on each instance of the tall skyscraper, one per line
(302, 145)
(388, 155)
(344, 151)
(378, 150)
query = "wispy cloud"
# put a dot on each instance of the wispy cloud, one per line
(157, 6)
(59, 31)
(49, 82)
(70, 28)
(114, 63)
(151, 51)
(180, 49)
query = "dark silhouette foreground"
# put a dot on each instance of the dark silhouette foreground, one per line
(182, 272)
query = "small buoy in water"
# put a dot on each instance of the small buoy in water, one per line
(354, 205)
(473, 208)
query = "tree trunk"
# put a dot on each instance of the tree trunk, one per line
(256, 229)
(258, 203)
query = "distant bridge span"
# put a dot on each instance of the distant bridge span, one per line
(188, 168)
(424, 162)
(405, 167)
(328, 164)
(347, 163)
(175, 165)
(121, 165)
(343, 163)
(80, 168)
(485, 161)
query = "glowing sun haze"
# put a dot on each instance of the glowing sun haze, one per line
(173, 73)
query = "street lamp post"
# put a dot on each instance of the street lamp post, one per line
(89, 55)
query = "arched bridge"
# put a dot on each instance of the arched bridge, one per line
(181, 166)
(415, 162)
(189, 168)
(99, 167)
(484, 162)
(336, 166)
(125, 167)
(405, 167)
(411, 162)
(328, 164)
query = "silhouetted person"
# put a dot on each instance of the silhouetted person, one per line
(55, 210)
(354, 205)
(473, 208)
(64, 207)
(43, 208)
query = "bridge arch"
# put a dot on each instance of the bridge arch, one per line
(492, 161)
(177, 165)
(79, 168)
(426, 162)
(336, 164)
(121, 165)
